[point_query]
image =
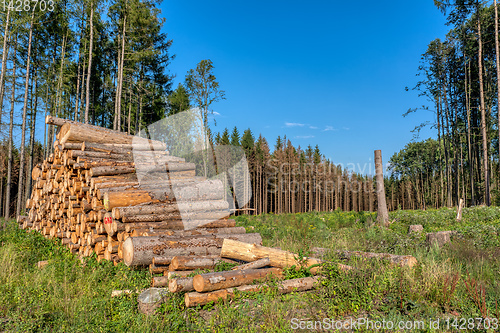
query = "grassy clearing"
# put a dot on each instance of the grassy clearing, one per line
(68, 296)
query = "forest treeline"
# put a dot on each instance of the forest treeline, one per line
(107, 63)
(459, 77)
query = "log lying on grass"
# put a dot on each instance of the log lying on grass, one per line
(253, 265)
(194, 298)
(240, 250)
(227, 279)
(141, 250)
(401, 260)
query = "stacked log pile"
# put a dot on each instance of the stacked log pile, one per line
(103, 192)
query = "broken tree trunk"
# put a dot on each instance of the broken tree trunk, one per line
(382, 214)
(194, 298)
(228, 279)
(150, 299)
(459, 212)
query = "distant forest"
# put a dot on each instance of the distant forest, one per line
(107, 64)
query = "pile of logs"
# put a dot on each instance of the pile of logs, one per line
(125, 198)
(261, 263)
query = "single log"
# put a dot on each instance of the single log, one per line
(113, 226)
(159, 209)
(208, 190)
(400, 260)
(227, 279)
(88, 133)
(182, 233)
(110, 170)
(250, 252)
(253, 265)
(161, 261)
(141, 250)
(184, 263)
(215, 215)
(73, 154)
(121, 148)
(159, 281)
(194, 298)
(180, 284)
(51, 120)
(153, 269)
(150, 299)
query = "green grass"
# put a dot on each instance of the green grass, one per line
(70, 296)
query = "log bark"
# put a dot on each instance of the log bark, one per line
(194, 298)
(228, 279)
(253, 265)
(141, 250)
(250, 252)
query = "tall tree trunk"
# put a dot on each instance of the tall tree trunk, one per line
(11, 129)
(89, 69)
(23, 130)
(497, 54)
(483, 114)
(59, 82)
(4, 60)
(34, 95)
(120, 78)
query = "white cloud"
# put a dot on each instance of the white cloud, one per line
(294, 125)
(346, 128)
(329, 128)
(304, 136)
(216, 113)
(313, 127)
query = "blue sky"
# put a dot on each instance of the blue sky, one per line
(331, 73)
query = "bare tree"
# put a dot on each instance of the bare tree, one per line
(23, 130)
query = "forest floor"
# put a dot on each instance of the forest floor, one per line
(445, 285)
